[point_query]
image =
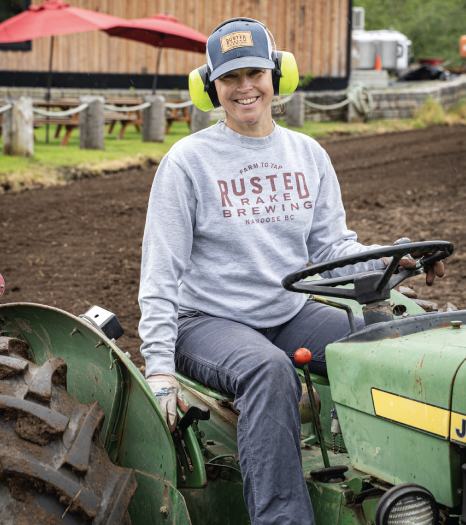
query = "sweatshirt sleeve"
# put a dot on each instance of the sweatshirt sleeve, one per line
(329, 237)
(166, 252)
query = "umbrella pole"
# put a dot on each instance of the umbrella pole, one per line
(154, 81)
(49, 85)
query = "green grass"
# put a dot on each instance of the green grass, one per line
(52, 155)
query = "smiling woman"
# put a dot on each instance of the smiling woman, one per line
(246, 96)
(234, 208)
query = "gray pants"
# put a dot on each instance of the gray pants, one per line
(256, 366)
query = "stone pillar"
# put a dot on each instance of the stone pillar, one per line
(18, 128)
(91, 123)
(153, 119)
(199, 120)
(353, 114)
(295, 110)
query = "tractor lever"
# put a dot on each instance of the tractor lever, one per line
(194, 413)
(423, 264)
(427, 261)
(303, 357)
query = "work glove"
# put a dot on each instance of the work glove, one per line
(168, 393)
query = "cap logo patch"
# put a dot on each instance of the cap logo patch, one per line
(236, 39)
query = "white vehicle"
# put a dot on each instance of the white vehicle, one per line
(393, 47)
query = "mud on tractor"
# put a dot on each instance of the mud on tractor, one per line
(82, 439)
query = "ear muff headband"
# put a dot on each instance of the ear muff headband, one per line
(285, 76)
(237, 19)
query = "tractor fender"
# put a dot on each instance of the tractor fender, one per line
(134, 433)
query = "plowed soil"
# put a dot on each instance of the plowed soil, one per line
(78, 245)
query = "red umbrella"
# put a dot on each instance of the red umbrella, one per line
(161, 30)
(53, 18)
(50, 19)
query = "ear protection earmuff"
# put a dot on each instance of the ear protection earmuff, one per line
(285, 76)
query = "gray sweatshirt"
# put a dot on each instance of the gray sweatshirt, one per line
(229, 217)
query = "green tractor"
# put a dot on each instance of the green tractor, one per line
(383, 443)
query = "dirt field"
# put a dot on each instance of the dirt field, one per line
(80, 245)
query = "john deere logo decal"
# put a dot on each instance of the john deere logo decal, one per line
(411, 413)
(461, 433)
(421, 416)
(458, 427)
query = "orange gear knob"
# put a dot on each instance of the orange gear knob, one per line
(302, 356)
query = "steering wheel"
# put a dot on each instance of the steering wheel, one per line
(368, 286)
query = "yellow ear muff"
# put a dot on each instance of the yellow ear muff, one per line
(289, 74)
(200, 98)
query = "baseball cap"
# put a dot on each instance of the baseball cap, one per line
(237, 45)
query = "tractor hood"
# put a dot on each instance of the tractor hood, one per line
(400, 392)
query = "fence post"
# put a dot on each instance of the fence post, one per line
(18, 128)
(153, 119)
(353, 114)
(91, 123)
(199, 120)
(295, 110)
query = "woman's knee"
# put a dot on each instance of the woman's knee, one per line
(277, 371)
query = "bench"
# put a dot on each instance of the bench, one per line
(69, 123)
(174, 115)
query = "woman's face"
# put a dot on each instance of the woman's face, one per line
(246, 94)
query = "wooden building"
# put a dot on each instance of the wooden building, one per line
(316, 31)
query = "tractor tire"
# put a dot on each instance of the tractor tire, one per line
(53, 468)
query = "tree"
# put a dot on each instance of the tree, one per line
(434, 26)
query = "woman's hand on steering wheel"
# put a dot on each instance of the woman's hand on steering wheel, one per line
(436, 270)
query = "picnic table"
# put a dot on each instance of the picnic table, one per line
(69, 123)
(72, 122)
(171, 114)
(177, 115)
(130, 118)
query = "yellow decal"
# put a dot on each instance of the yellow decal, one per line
(458, 427)
(237, 39)
(412, 413)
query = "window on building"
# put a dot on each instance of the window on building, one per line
(9, 8)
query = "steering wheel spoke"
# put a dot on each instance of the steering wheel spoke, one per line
(389, 271)
(311, 288)
(401, 276)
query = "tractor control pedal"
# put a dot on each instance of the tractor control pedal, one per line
(334, 474)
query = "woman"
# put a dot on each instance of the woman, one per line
(233, 209)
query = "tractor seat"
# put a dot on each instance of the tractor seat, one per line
(221, 396)
(195, 385)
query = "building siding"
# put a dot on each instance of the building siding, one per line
(315, 31)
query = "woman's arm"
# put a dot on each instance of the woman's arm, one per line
(329, 237)
(166, 252)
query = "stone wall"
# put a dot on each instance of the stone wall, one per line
(325, 98)
(403, 103)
